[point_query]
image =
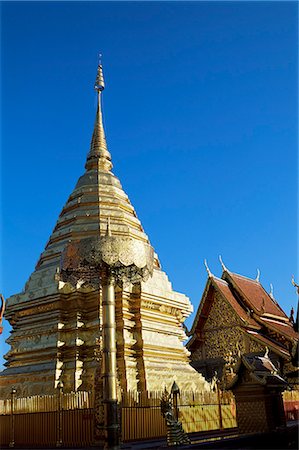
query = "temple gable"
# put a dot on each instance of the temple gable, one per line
(237, 316)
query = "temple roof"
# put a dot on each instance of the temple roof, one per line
(261, 371)
(227, 293)
(270, 343)
(255, 295)
(260, 315)
(284, 328)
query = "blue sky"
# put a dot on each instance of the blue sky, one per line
(201, 118)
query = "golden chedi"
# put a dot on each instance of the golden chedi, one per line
(57, 320)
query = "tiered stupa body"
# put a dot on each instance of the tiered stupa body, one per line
(57, 328)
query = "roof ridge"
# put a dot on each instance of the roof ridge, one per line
(247, 278)
(220, 279)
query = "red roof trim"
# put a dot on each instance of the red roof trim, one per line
(264, 340)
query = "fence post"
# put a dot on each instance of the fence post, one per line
(12, 418)
(59, 415)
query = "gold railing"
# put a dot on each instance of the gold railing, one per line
(38, 421)
(47, 403)
(291, 404)
(205, 411)
(141, 416)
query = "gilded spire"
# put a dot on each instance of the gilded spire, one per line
(99, 156)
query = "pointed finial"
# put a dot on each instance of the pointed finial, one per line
(224, 268)
(271, 293)
(207, 268)
(295, 284)
(258, 275)
(99, 157)
(99, 83)
(108, 229)
(292, 315)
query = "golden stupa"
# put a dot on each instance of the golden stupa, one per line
(56, 326)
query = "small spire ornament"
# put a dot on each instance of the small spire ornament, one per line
(207, 268)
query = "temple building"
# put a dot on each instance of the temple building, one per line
(56, 328)
(236, 316)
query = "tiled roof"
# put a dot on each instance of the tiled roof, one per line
(259, 313)
(284, 328)
(261, 370)
(264, 340)
(226, 292)
(256, 296)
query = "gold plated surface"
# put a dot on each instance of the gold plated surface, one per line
(57, 324)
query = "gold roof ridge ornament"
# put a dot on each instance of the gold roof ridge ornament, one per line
(266, 355)
(99, 157)
(295, 284)
(258, 275)
(224, 268)
(271, 293)
(208, 269)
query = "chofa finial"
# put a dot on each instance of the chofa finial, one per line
(292, 320)
(224, 268)
(295, 284)
(271, 291)
(207, 267)
(258, 275)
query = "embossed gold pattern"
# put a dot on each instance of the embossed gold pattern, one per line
(128, 260)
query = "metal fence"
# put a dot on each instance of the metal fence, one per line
(41, 403)
(291, 404)
(47, 420)
(68, 419)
